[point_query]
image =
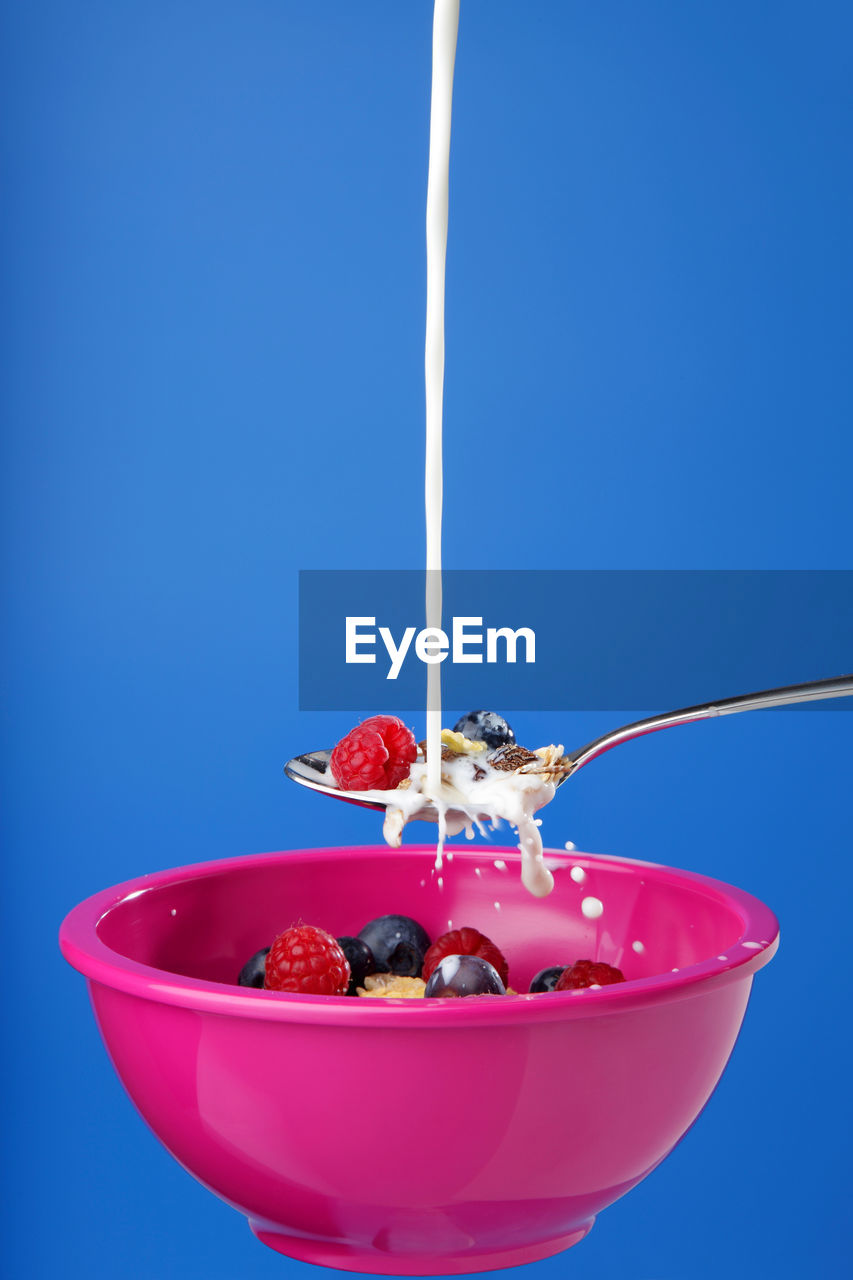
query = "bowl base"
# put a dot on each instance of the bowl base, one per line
(343, 1257)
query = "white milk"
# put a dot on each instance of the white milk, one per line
(466, 797)
(444, 30)
(464, 800)
(520, 806)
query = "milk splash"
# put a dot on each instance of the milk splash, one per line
(466, 800)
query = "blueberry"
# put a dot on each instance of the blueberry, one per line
(485, 726)
(252, 973)
(398, 943)
(546, 979)
(464, 976)
(360, 959)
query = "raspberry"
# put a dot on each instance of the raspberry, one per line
(465, 942)
(374, 756)
(588, 973)
(307, 960)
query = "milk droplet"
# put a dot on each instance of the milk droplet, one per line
(638, 947)
(721, 957)
(441, 882)
(578, 875)
(570, 845)
(497, 906)
(500, 864)
(174, 912)
(478, 871)
(753, 946)
(592, 908)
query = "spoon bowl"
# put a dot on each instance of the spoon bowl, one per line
(312, 769)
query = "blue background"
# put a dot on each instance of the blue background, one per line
(213, 316)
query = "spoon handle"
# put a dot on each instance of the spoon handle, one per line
(788, 695)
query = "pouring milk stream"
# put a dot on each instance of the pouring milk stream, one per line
(470, 786)
(445, 28)
(519, 807)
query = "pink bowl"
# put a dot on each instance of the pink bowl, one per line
(420, 1137)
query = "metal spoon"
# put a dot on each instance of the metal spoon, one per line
(310, 770)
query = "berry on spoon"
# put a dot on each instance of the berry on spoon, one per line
(374, 756)
(485, 726)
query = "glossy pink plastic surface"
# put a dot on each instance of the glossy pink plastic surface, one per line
(417, 1137)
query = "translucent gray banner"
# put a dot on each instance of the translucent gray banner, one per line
(561, 640)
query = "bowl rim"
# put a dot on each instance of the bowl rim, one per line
(85, 951)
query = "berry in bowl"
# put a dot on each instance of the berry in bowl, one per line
(277, 1099)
